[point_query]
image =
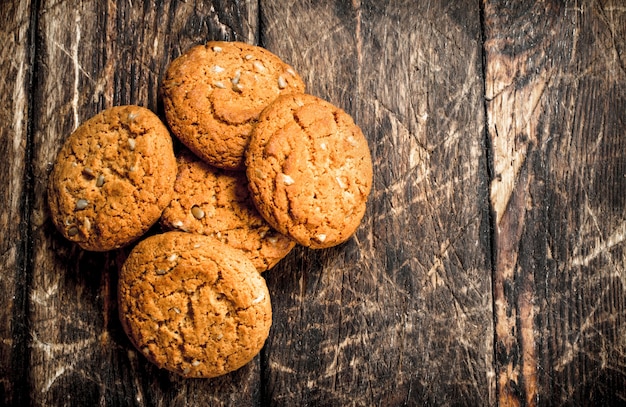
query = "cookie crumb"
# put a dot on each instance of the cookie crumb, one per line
(342, 185)
(286, 179)
(81, 204)
(258, 299)
(88, 172)
(100, 180)
(282, 83)
(235, 80)
(197, 212)
(258, 66)
(259, 173)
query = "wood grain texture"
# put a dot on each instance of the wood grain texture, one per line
(94, 55)
(556, 91)
(400, 314)
(490, 267)
(16, 67)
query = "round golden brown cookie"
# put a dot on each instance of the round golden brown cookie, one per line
(213, 94)
(193, 305)
(217, 203)
(309, 170)
(112, 178)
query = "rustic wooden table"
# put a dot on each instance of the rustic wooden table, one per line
(490, 268)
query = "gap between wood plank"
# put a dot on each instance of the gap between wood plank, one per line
(21, 321)
(490, 177)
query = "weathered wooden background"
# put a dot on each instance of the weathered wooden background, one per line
(490, 268)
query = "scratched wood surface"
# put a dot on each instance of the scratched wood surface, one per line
(556, 108)
(490, 265)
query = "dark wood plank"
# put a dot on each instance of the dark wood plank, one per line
(402, 313)
(16, 68)
(93, 55)
(556, 85)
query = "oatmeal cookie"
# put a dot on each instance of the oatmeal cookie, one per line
(193, 305)
(309, 170)
(112, 178)
(213, 95)
(216, 202)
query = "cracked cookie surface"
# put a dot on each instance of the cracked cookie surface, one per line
(216, 202)
(214, 93)
(309, 170)
(112, 178)
(193, 305)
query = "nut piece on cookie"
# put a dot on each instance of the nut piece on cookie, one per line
(112, 178)
(309, 170)
(193, 305)
(213, 95)
(216, 202)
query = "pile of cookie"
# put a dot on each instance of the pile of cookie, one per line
(261, 166)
